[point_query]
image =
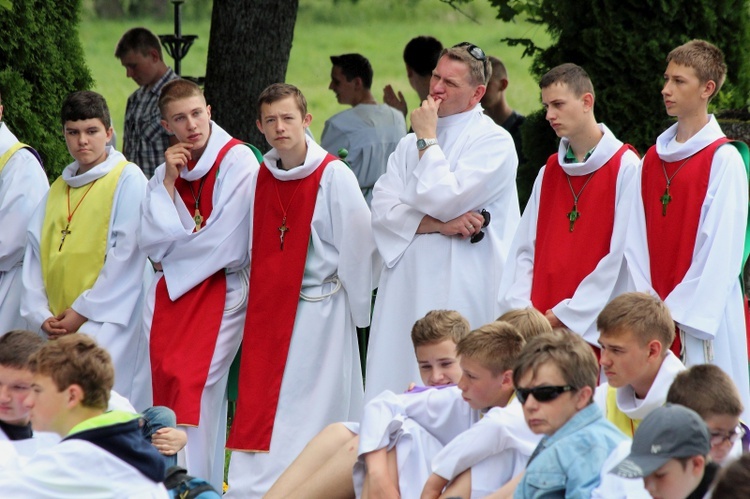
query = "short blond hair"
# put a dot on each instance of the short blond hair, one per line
(439, 325)
(177, 90)
(76, 359)
(645, 315)
(479, 71)
(529, 321)
(573, 357)
(495, 346)
(705, 58)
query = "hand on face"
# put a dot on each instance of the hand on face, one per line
(176, 157)
(424, 118)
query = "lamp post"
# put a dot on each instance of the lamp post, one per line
(177, 45)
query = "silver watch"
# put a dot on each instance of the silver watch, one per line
(423, 144)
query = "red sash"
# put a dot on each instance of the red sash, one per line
(275, 283)
(671, 238)
(563, 258)
(183, 340)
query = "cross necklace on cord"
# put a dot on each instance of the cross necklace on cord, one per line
(667, 197)
(66, 231)
(197, 217)
(574, 214)
(284, 228)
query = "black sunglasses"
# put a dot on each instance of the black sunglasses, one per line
(542, 393)
(477, 53)
(480, 235)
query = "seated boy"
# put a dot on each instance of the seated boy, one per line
(312, 271)
(195, 228)
(733, 481)
(670, 452)
(102, 454)
(324, 467)
(636, 331)
(580, 250)
(555, 378)
(83, 271)
(476, 461)
(710, 392)
(402, 433)
(15, 383)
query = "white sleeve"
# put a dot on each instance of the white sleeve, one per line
(34, 302)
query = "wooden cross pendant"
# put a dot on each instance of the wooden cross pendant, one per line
(665, 199)
(198, 218)
(64, 233)
(573, 215)
(283, 229)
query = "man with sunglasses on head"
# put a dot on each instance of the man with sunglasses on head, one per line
(439, 250)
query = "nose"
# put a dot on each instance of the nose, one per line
(604, 359)
(4, 394)
(666, 89)
(28, 402)
(648, 484)
(462, 385)
(550, 115)
(330, 86)
(437, 377)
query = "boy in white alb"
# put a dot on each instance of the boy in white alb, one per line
(688, 231)
(310, 231)
(195, 229)
(83, 271)
(23, 184)
(400, 434)
(579, 249)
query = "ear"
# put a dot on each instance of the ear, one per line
(708, 89)
(358, 83)
(75, 395)
(478, 94)
(153, 54)
(260, 128)
(208, 110)
(583, 397)
(588, 101)
(655, 349)
(503, 84)
(166, 126)
(1, 113)
(699, 465)
(110, 131)
(307, 120)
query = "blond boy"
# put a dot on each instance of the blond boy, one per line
(636, 330)
(687, 236)
(421, 424)
(195, 229)
(102, 454)
(324, 467)
(572, 232)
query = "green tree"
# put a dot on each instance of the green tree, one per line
(41, 62)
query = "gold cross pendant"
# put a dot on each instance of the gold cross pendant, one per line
(198, 218)
(64, 233)
(283, 229)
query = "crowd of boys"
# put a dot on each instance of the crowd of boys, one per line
(621, 351)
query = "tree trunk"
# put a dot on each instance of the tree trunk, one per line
(248, 50)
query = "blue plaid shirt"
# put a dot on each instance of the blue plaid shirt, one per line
(144, 139)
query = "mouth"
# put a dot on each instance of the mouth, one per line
(195, 137)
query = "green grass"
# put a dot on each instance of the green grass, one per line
(377, 29)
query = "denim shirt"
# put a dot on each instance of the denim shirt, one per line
(568, 463)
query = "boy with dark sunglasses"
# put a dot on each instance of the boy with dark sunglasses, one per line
(555, 378)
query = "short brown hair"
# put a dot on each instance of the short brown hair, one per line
(707, 390)
(76, 359)
(569, 352)
(733, 481)
(705, 58)
(17, 346)
(479, 71)
(529, 321)
(498, 68)
(645, 315)
(138, 40)
(572, 75)
(278, 91)
(85, 105)
(495, 346)
(177, 90)
(439, 325)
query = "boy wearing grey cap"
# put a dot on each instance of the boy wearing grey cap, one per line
(670, 452)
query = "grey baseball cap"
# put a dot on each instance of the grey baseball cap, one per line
(669, 432)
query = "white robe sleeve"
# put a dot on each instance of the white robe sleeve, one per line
(593, 293)
(166, 232)
(34, 302)
(22, 185)
(515, 284)
(698, 303)
(352, 236)
(485, 170)
(116, 291)
(636, 246)
(394, 222)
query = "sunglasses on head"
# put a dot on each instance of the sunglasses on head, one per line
(542, 393)
(477, 53)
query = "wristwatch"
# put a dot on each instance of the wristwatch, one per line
(423, 144)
